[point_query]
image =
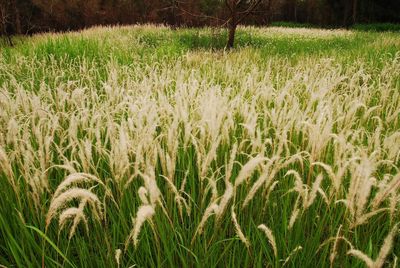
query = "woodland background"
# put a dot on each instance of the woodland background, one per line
(30, 16)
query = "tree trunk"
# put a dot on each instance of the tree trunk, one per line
(346, 14)
(231, 38)
(291, 10)
(4, 24)
(355, 2)
(173, 15)
(17, 19)
(310, 11)
(232, 25)
(269, 12)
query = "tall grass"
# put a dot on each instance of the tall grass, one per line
(139, 146)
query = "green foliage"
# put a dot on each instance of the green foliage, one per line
(377, 27)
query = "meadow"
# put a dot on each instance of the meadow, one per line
(142, 146)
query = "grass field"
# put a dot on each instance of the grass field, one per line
(147, 147)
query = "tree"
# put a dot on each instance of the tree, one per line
(355, 6)
(311, 4)
(350, 12)
(5, 20)
(238, 10)
(16, 16)
(168, 12)
(233, 11)
(291, 10)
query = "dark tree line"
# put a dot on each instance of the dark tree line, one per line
(29, 16)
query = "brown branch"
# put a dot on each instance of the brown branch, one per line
(228, 6)
(200, 15)
(248, 11)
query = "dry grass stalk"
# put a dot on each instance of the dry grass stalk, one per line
(73, 193)
(238, 229)
(294, 251)
(145, 213)
(248, 169)
(7, 169)
(118, 253)
(65, 193)
(335, 246)
(383, 253)
(270, 236)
